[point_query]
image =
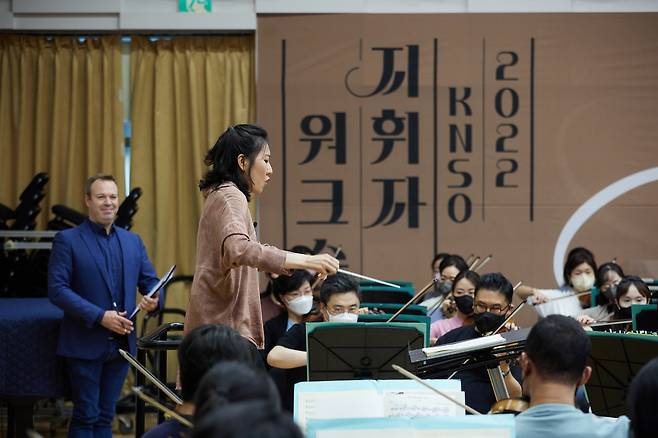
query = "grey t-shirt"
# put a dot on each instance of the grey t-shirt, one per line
(564, 421)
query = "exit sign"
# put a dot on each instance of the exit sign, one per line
(195, 6)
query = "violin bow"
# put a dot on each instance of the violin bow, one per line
(418, 295)
(411, 376)
(579, 294)
(475, 262)
(142, 395)
(482, 263)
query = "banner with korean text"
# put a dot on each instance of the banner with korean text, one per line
(398, 136)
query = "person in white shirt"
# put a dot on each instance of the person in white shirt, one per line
(579, 278)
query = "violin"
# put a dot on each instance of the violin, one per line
(509, 406)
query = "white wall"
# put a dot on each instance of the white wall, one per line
(240, 15)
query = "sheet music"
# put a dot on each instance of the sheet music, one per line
(339, 404)
(471, 344)
(421, 403)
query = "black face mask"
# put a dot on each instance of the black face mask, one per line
(464, 304)
(623, 313)
(487, 322)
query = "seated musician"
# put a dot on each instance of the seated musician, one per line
(295, 294)
(339, 302)
(607, 279)
(554, 364)
(463, 292)
(449, 267)
(202, 348)
(631, 290)
(578, 277)
(491, 305)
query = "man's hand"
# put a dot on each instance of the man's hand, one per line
(117, 322)
(150, 304)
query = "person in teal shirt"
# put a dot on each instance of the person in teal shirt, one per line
(554, 364)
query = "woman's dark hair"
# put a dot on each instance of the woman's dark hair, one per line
(642, 401)
(284, 283)
(233, 382)
(439, 256)
(222, 158)
(471, 276)
(249, 419)
(207, 345)
(576, 257)
(604, 269)
(631, 280)
(453, 260)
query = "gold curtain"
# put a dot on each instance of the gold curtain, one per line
(60, 113)
(185, 92)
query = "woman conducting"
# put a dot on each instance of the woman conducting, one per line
(225, 289)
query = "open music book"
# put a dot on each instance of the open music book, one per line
(374, 399)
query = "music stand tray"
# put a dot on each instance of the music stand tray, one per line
(615, 359)
(340, 351)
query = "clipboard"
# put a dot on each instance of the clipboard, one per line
(159, 285)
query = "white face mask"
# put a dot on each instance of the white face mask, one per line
(344, 317)
(301, 305)
(582, 282)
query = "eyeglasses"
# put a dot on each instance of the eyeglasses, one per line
(336, 310)
(480, 307)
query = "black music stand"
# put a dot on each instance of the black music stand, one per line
(615, 359)
(486, 356)
(645, 317)
(340, 351)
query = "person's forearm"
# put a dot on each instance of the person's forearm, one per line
(295, 260)
(513, 386)
(524, 291)
(322, 263)
(286, 358)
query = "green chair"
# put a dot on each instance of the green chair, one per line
(385, 294)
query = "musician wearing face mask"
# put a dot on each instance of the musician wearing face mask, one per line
(339, 302)
(449, 267)
(295, 295)
(491, 305)
(631, 290)
(463, 292)
(607, 278)
(578, 277)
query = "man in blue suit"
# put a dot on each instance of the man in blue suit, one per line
(93, 273)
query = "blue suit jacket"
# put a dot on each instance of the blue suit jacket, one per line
(78, 283)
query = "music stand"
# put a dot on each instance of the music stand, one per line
(615, 359)
(645, 317)
(340, 351)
